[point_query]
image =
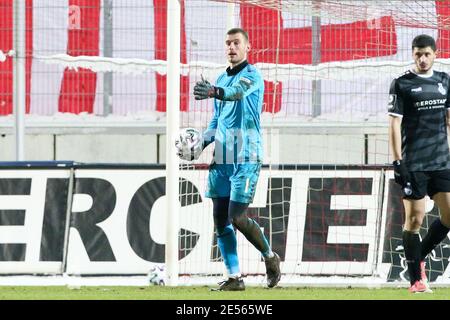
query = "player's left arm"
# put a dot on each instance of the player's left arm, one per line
(447, 106)
(448, 119)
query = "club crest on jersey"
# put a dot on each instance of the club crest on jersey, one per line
(441, 88)
(247, 81)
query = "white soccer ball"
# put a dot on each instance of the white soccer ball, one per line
(190, 144)
(156, 276)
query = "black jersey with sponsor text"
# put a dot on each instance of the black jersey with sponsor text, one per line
(422, 102)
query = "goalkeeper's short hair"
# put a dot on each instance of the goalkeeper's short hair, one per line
(238, 30)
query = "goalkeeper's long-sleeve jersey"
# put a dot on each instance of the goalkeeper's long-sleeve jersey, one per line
(235, 126)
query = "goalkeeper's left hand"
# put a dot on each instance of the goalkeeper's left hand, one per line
(204, 90)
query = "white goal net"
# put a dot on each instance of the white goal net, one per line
(325, 197)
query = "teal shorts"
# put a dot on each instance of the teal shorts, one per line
(237, 181)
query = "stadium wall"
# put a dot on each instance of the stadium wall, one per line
(103, 219)
(117, 147)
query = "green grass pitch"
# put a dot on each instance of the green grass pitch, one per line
(204, 293)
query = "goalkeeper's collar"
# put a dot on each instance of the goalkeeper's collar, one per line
(237, 69)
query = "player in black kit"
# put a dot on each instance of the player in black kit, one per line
(419, 118)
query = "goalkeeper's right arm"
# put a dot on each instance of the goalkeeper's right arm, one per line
(208, 137)
(246, 85)
(210, 132)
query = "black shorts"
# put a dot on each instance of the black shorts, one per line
(429, 183)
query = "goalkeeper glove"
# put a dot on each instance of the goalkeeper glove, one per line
(189, 145)
(402, 176)
(204, 90)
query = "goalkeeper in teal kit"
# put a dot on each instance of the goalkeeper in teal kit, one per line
(233, 174)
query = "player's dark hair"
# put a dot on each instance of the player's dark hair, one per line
(238, 30)
(423, 41)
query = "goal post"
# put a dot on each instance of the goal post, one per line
(172, 130)
(19, 94)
